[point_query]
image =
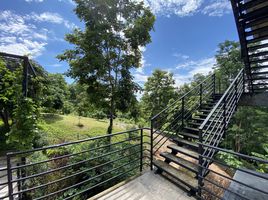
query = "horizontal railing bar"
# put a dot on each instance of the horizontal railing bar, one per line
(181, 97)
(71, 165)
(81, 192)
(235, 168)
(85, 181)
(74, 154)
(221, 99)
(235, 153)
(241, 183)
(73, 175)
(71, 143)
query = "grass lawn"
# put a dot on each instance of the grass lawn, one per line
(63, 128)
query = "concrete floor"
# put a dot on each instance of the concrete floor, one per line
(148, 186)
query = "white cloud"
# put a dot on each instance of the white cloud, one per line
(40, 1)
(192, 67)
(174, 7)
(19, 37)
(140, 78)
(181, 56)
(143, 61)
(51, 18)
(217, 8)
(184, 8)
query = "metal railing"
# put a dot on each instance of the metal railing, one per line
(244, 181)
(213, 129)
(77, 169)
(173, 119)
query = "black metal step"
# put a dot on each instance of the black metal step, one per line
(179, 175)
(205, 110)
(187, 143)
(177, 149)
(195, 124)
(188, 135)
(191, 130)
(180, 161)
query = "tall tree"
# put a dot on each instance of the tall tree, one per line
(229, 61)
(158, 91)
(107, 49)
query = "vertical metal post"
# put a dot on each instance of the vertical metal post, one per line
(236, 93)
(23, 175)
(244, 82)
(201, 95)
(25, 76)
(219, 86)
(214, 84)
(182, 112)
(141, 153)
(9, 178)
(19, 182)
(200, 163)
(224, 116)
(152, 132)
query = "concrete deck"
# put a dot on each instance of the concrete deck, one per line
(148, 186)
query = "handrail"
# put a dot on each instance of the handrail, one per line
(74, 142)
(106, 160)
(221, 100)
(182, 96)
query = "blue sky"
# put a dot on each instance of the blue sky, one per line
(184, 42)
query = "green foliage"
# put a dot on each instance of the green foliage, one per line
(86, 164)
(243, 136)
(158, 91)
(24, 129)
(106, 50)
(55, 94)
(229, 62)
(230, 159)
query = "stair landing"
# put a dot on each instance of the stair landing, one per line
(145, 187)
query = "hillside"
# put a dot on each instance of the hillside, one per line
(63, 128)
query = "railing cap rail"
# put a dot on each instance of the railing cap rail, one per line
(182, 96)
(220, 101)
(9, 154)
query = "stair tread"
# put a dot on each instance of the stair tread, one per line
(185, 151)
(181, 176)
(186, 142)
(192, 129)
(191, 135)
(180, 161)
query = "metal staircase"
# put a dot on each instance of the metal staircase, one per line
(251, 18)
(198, 118)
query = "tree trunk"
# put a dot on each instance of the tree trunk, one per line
(110, 128)
(4, 116)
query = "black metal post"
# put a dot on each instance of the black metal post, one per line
(182, 112)
(152, 132)
(244, 82)
(200, 164)
(236, 93)
(141, 153)
(19, 182)
(25, 76)
(214, 84)
(224, 116)
(9, 178)
(219, 86)
(201, 95)
(23, 174)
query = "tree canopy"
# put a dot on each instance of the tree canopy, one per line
(158, 91)
(107, 49)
